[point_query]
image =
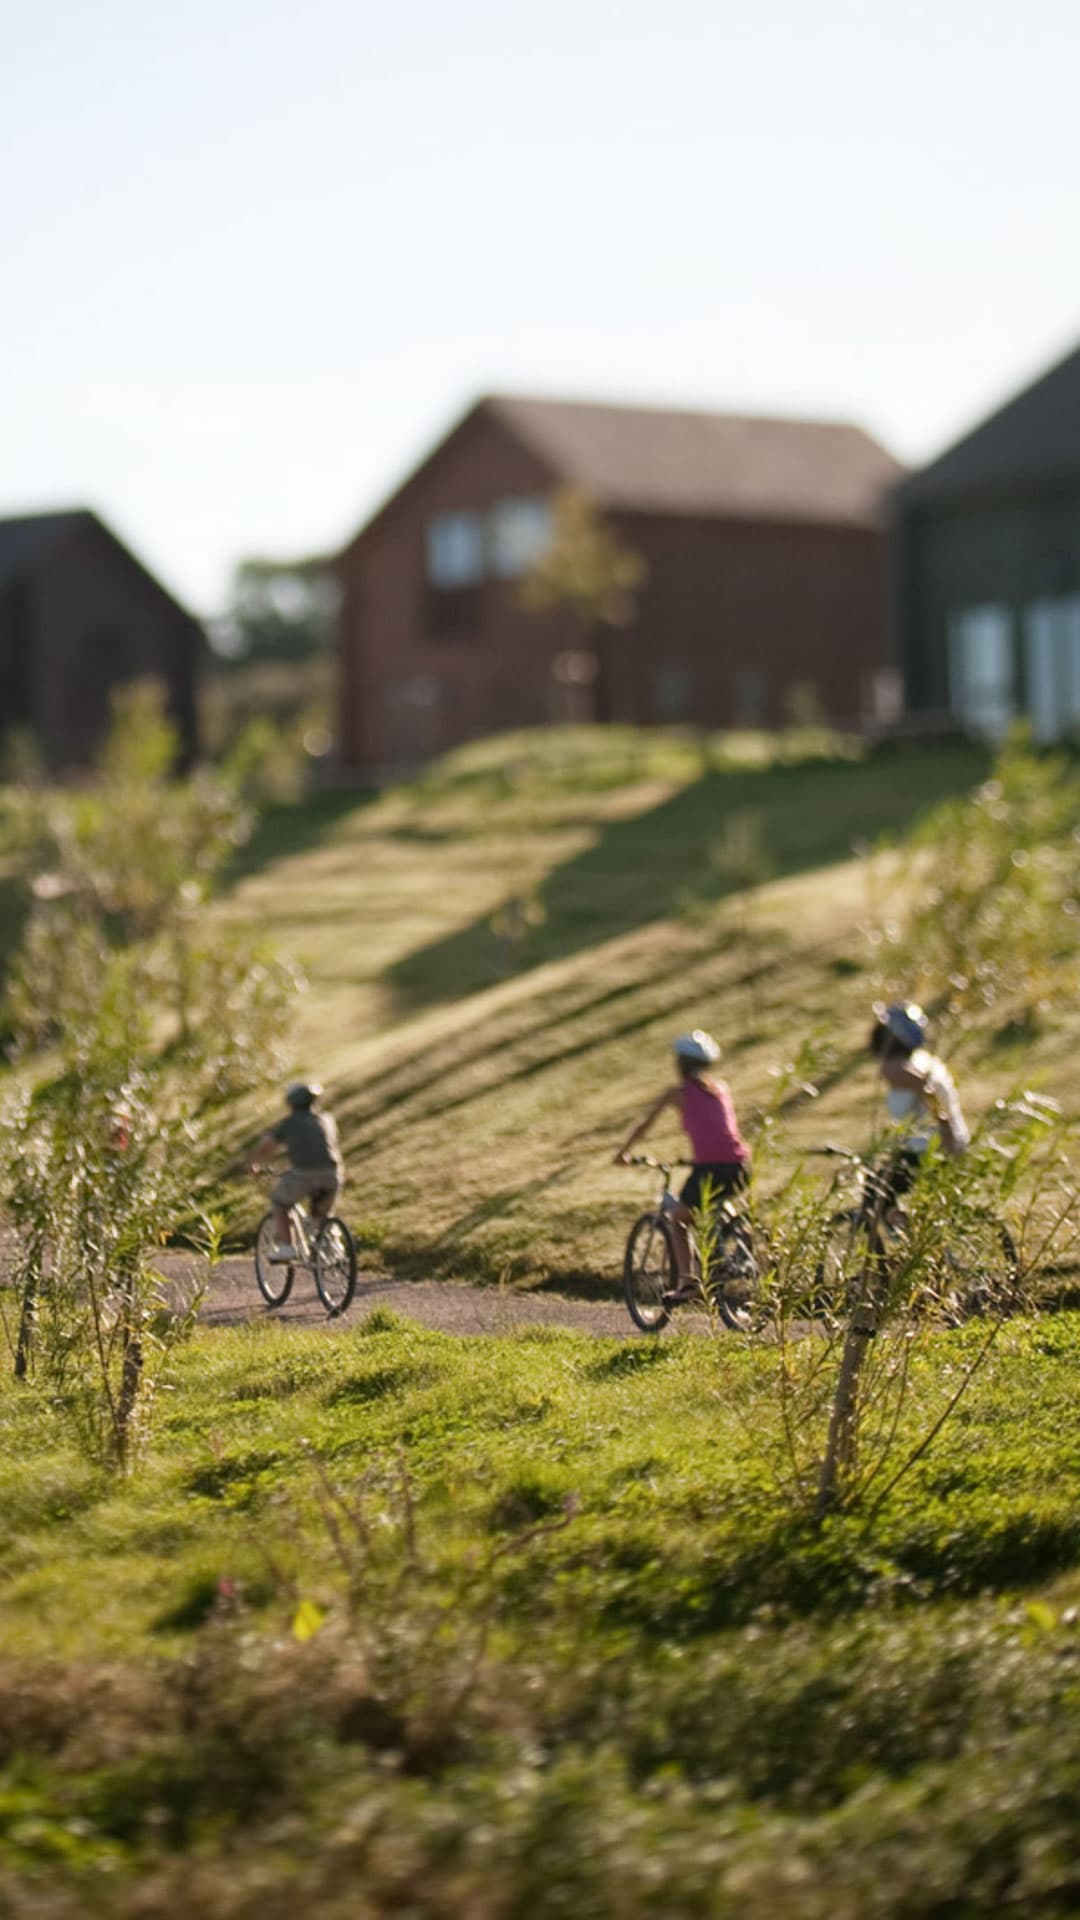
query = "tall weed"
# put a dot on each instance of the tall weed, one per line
(985, 915)
(152, 1019)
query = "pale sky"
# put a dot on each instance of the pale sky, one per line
(258, 254)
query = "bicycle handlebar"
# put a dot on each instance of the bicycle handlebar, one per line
(648, 1160)
(829, 1151)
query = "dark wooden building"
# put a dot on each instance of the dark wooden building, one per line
(765, 548)
(987, 554)
(78, 616)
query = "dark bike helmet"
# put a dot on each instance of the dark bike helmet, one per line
(302, 1092)
(905, 1022)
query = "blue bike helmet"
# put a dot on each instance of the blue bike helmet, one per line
(906, 1022)
(699, 1048)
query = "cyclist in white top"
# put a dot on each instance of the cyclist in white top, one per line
(920, 1088)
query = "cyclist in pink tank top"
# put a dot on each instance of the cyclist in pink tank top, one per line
(720, 1154)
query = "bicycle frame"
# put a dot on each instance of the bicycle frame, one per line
(721, 1255)
(306, 1222)
(871, 1188)
(722, 1207)
(974, 1273)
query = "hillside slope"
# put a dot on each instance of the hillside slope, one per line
(483, 1058)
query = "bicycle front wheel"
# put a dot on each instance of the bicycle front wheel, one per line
(649, 1271)
(335, 1266)
(275, 1282)
(851, 1241)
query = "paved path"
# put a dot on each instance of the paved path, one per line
(450, 1306)
(447, 1305)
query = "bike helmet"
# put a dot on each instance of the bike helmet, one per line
(906, 1022)
(302, 1092)
(699, 1048)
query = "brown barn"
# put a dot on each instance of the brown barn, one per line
(763, 539)
(78, 616)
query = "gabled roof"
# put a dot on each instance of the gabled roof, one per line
(29, 538)
(713, 465)
(25, 538)
(1032, 441)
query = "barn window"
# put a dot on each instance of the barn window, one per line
(982, 690)
(455, 550)
(520, 532)
(1052, 666)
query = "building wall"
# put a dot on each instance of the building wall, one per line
(732, 618)
(742, 624)
(94, 619)
(409, 691)
(16, 657)
(1013, 554)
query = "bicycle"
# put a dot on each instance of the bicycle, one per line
(324, 1247)
(651, 1268)
(979, 1267)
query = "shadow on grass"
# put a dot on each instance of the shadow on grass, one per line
(282, 831)
(644, 869)
(450, 1252)
(630, 1360)
(425, 1074)
(363, 1389)
(798, 1570)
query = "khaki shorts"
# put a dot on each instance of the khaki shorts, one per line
(301, 1183)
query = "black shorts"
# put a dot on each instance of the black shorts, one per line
(724, 1176)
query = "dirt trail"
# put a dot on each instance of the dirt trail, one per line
(447, 1305)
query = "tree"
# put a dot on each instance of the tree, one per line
(278, 610)
(586, 571)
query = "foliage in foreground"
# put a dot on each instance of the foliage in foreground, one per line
(419, 1681)
(151, 1018)
(856, 1286)
(994, 876)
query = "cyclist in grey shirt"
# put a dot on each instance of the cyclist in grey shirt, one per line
(309, 1137)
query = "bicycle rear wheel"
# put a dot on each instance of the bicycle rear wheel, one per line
(275, 1282)
(733, 1284)
(334, 1259)
(649, 1271)
(980, 1270)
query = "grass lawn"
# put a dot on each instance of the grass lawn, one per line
(398, 1622)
